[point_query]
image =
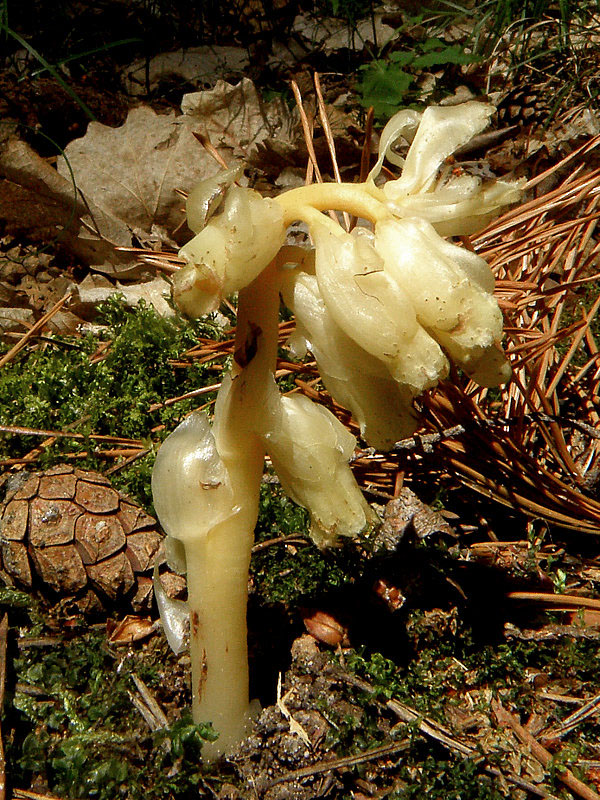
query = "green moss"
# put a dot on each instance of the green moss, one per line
(72, 721)
(286, 574)
(57, 387)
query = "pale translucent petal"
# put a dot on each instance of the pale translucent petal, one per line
(191, 487)
(229, 252)
(402, 125)
(373, 309)
(461, 207)
(450, 292)
(443, 129)
(381, 406)
(206, 196)
(310, 449)
(174, 615)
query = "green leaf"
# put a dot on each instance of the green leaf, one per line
(454, 54)
(384, 86)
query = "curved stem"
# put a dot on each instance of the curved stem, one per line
(354, 198)
(217, 564)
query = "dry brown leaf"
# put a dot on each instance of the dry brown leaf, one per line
(127, 177)
(155, 293)
(195, 65)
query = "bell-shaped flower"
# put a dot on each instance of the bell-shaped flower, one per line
(191, 486)
(371, 307)
(355, 379)
(230, 251)
(310, 450)
(451, 291)
(454, 204)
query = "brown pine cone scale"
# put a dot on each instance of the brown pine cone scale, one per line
(67, 531)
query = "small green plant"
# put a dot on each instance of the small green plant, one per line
(389, 83)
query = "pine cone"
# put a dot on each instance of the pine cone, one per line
(523, 106)
(68, 532)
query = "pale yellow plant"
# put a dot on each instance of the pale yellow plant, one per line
(382, 309)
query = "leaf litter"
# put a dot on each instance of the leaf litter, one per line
(452, 679)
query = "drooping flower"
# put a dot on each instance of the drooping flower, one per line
(451, 290)
(455, 204)
(231, 249)
(357, 380)
(310, 451)
(372, 309)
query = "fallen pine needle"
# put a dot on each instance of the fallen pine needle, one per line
(556, 599)
(506, 719)
(34, 329)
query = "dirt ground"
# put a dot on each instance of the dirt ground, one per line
(455, 655)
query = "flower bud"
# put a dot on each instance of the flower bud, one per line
(229, 252)
(310, 450)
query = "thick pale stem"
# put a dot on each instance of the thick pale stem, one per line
(217, 603)
(357, 199)
(218, 563)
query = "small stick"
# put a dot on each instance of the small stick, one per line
(210, 148)
(338, 763)
(148, 705)
(24, 794)
(506, 719)
(555, 599)
(34, 329)
(573, 720)
(329, 138)
(434, 730)
(307, 132)
(17, 429)
(291, 537)
(194, 393)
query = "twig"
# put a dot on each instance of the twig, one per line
(206, 143)
(425, 441)
(339, 763)
(289, 538)
(3, 636)
(505, 718)
(34, 329)
(24, 794)
(127, 461)
(434, 730)
(147, 705)
(19, 430)
(329, 138)
(555, 599)
(573, 720)
(194, 393)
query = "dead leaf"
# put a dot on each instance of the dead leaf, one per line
(333, 34)
(116, 186)
(16, 319)
(235, 118)
(129, 629)
(407, 511)
(155, 293)
(195, 65)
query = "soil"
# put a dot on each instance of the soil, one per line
(398, 665)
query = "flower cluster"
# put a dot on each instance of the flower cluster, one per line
(382, 308)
